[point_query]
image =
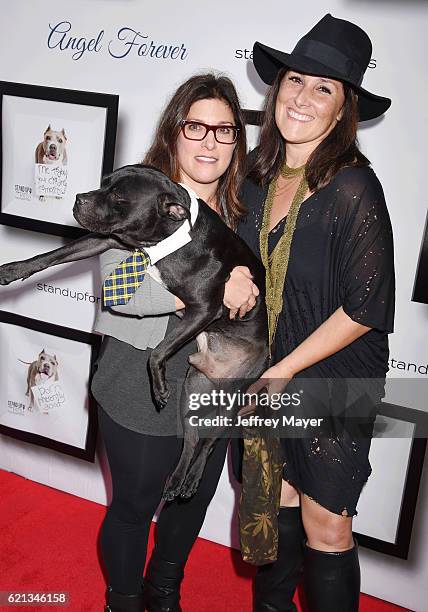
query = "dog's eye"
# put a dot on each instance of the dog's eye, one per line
(60, 140)
(116, 197)
(48, 137)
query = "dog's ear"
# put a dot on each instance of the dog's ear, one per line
(173, 210)
(176, 211)
(41, 352)
(56, 360)
(48, 128)
(63, 133)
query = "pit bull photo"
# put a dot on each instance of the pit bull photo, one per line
(138, 206)
(53, 148)
(52, 151)
(40, 371)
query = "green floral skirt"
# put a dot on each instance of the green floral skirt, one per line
(260, 497)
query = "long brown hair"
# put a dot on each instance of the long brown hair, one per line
(337, 150)
(163, 152)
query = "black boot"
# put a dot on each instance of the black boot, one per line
(162, 584)
(119, 602)
(275, 583)
(332, 580)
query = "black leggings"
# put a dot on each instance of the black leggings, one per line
(139, 466)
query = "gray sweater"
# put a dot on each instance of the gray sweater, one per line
(126, 322)
(121, 383)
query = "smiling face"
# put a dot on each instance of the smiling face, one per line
(203, 162)
(308, 108)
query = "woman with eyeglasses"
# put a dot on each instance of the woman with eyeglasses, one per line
(201, 142)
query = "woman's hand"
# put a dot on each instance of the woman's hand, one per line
(240, 292)
(273, 380)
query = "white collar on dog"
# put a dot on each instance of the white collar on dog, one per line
(180, 237)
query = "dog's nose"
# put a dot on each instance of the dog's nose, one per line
(81, 202)
(81, 198)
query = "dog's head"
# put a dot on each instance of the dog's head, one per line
(54, 143)
(138, 204)
(47, 364)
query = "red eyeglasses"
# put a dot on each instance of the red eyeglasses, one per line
(195, 130)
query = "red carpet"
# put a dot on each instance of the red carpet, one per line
(49, 543)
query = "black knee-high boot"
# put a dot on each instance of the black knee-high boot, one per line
(275, 583)
(119, 602)
(332, 580)
(162, 584)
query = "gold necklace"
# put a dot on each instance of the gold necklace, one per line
(288, 172)
(276, 263)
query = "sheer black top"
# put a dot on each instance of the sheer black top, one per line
(341, 255)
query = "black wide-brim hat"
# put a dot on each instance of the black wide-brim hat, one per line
(333, 48)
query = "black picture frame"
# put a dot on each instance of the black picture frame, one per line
(253, 120)
(253, 117)
(420, 289)
(110, 102)
(94, 341)
(400, 548)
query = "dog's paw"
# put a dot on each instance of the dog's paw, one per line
(161, 396)
(159, 384)
(172, 488)
(193, 478)
(10, 272)
(190, 485)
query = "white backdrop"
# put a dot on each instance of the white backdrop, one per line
(194, 37)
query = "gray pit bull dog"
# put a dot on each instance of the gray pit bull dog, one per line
(41, 370)
(138, 206)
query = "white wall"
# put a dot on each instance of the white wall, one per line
(209, 37)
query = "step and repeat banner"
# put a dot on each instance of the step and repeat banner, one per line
(83, 85)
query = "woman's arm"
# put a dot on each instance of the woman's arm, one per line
(338, 331)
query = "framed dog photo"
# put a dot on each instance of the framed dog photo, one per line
(44, 385)
(54, 143)
(387, 505)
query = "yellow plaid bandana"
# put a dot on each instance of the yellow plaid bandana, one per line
(123, 282)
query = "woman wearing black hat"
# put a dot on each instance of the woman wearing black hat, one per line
(318, 219)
